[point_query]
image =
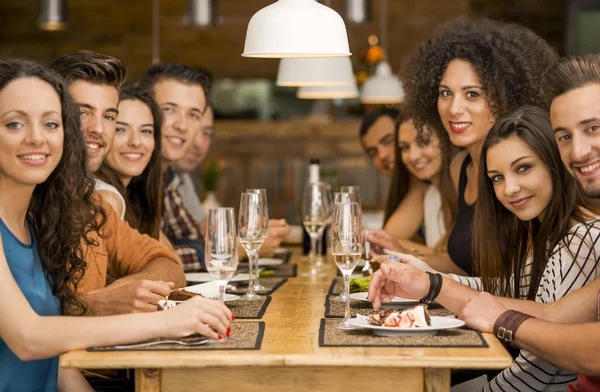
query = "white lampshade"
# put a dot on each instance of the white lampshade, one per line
(327, 92)
(296, 28)
(383, 87)
(321, 71)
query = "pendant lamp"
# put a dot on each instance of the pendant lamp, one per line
(327, 92)
(52, 15)
(383, 87)
(296, 28)
(320, 71)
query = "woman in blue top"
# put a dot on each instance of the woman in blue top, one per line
(45, 210)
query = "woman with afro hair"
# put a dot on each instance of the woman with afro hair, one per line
(458, 82)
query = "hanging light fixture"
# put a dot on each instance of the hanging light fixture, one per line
(296, 28)
(202, 13)
(358, 11)
(383, 87)
(328, 92)
(52, 15)
(322, 71)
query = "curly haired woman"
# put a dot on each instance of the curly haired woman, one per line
(458, 82)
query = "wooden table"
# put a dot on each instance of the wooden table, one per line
(291, 360)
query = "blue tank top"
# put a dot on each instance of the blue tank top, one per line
(26, 267)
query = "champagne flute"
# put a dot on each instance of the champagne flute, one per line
(346, 247)
(316, 212)
(251, 228)
(353, 189)
(221, 255)
(342, 197)
(265, 213)
(367, 244)
(320, 261)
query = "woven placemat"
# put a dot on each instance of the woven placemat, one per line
(279, 271)
(333, 337)
(270, 284)
(336, 287)
(248, 335)
(249, 309)
(334, 309)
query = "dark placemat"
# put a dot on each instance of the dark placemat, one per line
(271, 284)
(337, 286)
(334, 309)
(333, 337)
(249, 336)
(279, 271)
(249, 309)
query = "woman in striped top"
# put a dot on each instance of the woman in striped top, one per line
(536, 237)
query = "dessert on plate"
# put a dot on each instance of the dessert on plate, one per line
(181, 295)
(415, 317)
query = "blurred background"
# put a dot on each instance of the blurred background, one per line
(265, 136)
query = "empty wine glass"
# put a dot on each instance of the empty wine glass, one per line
(346, 247)
(251, 230)
(265, 213)
(221, 255)
(320, 256)
(316, 213)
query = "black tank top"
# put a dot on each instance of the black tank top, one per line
(459, 241)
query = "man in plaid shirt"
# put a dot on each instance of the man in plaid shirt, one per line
(180, 91)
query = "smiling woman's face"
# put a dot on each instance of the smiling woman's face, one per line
(31, 132)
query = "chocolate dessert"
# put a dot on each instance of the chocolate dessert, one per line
(415, 317)
(182, 295)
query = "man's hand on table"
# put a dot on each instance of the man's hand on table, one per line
(481, 312)
(131, 297)
(278, 230)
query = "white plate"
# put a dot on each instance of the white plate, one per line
(207, 277)
(210, 290)
(437, 324)
(396, 303)
(267, 262)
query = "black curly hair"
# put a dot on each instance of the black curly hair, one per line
(62, 210)
(508, 58)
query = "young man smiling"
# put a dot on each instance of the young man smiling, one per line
(145, 271)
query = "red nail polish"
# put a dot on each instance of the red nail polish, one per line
(220, 337)
(228, 331)
(232, 317)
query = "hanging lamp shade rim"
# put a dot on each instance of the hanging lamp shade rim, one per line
(382, 100)
(53, 25)
(332, 71)
(328, 92)
(296, 28)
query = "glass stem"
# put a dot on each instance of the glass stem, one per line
(313, 252)
(347, 314)
(251, 272)
(256, 272)
(222, 287)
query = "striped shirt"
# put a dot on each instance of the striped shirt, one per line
(573, 263)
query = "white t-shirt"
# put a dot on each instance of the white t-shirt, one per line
(103, 186)
(433, 220)
(190, 197)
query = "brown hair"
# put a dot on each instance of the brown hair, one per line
(401, 183)
(90, 66)
(62, 210)
(570, 73)
(143, 195)
(502, 242)
(509, 60)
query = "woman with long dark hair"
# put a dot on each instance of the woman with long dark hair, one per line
(536, 237)
(46, 211)
(421, 199)
(458, 82)
(133, 164)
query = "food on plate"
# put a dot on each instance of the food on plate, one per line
(359, 285)
(415, 317)
(182, 295)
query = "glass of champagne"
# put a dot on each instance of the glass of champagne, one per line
(342, 197)
(367, 244)
(346, 247)
(251, 228)
(221, 255)
(265, 214)
(316, 213)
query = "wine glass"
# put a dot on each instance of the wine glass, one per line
(367, 244)
(353, 189)
(316, 213)
(221, 255)
(342, 197)
(320, 260)
(265, 213)
(346, 247)
(251, 228)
